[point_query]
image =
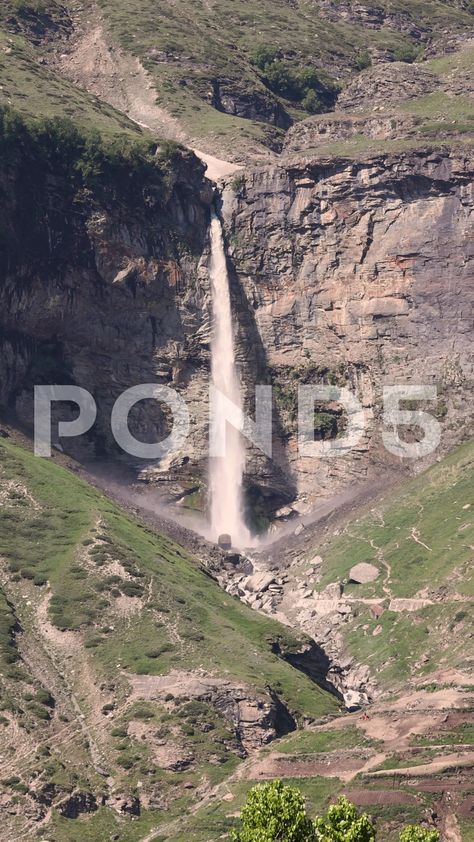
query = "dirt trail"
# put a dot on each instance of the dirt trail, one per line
(451, 830)
(459, 760)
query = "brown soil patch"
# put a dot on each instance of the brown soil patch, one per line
(178, 683)
(382, 797)
(466, 808)
(449, 761)
(327, 766)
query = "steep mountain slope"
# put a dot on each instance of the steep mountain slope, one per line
(222, 71)
(129, 679)
(393, 107)
(138, 699)
(408, 620)
(401, 635)
(35, 91)
(229, 80)
(356, 272)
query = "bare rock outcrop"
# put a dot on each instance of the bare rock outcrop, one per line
(387, 84)
(359, 273)
(257, 718)
(323, 129)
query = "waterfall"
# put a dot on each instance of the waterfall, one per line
(226, 473)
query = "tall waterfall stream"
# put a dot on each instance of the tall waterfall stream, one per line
(225, 472)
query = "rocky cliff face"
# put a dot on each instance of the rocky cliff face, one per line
(357, 274)
(100, 288)
(360, 274)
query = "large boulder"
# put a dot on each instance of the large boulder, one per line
(364, 573)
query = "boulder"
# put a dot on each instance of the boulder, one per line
(364, 573)
(259, 582)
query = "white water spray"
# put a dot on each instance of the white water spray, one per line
(226, 473)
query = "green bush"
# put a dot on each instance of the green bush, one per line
(274, 812)
(408, 54)
(44, 697)
(363, 60)
(311, 103)
(342, 823)
(416, 833)
(264, 55)
(58, 145)
(131, 589)
(119, 732)
(237, 183)
(287, 79)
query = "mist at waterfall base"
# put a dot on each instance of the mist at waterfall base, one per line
(226, 501)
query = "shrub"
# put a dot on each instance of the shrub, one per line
(363, 60)
(264, 55)
(237, 183)
(119, 732)
(342, 823)
(44, 697)
(274, 812)
(131, 589)
(39, 710)
(126, 762)
(281, 79)
(408, 54)
(311, 103)
(416, 833)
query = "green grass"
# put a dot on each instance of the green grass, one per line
(433, 505)
(53, 523)
(102, 825)
(213, 821)
(35, 91)
(440, 112)
(404, 640)
(462, 735)
(432, 508)
(467, 830)
(315, 742)
(216, 631)
(189, 44)
(454, 64)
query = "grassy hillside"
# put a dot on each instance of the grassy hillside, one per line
(207, 56)
(234, 78)
(91, 599)
(35, 91)
(421, 539)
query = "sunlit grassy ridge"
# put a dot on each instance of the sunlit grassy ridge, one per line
(190, 47)
(421, 539)
(436, 509)
(35, 91)
(216, 631)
